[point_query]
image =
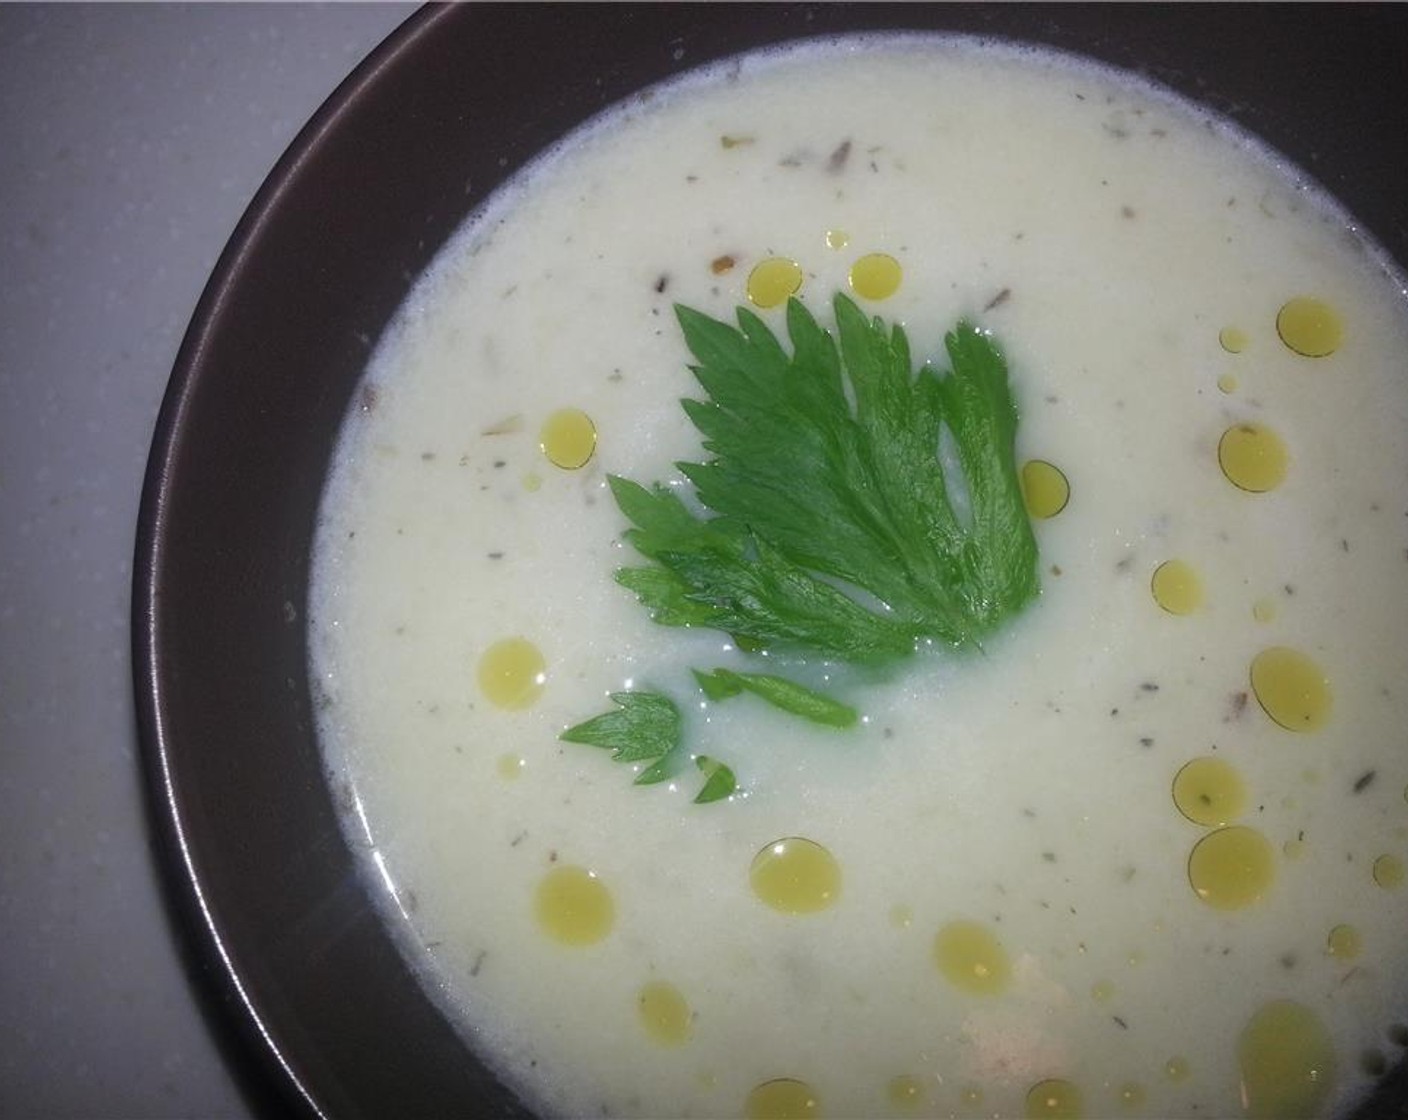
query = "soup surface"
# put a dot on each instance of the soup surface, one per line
(1141, 855)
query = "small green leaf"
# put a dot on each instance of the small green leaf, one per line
(645, 727)
(719, 781)
(718, 685)
(780, 693)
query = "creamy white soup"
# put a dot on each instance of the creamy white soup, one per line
(1143, 854)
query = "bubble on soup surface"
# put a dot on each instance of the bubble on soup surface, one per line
(972, 959)
(772, 281)
(1055, 1098)
(664, 1013)
(876, 276)
(512, 673)
(1231, 868)
(574, 907)
(1286, 1060)
(796, 876)
(1044, 489)
(1344, 943)
(1176, 587)
(1388, 872)
(1253, 457)
(568, 439)
(1209, 791)
(783, 1098)
(1310, 327)
(1291, 688)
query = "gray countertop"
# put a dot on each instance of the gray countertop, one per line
(131, 140)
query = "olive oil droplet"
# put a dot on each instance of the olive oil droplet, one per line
(512, 673)
(876, 276)
(1209, 791)
(1177, 1069)
(971, 958)
(509, 766)
(1344, 943)
(574, 907)
(1287, 1061)
(1176, 587)
(1264, 610)
(664, 1013)
(1231, 868)
(1055, 1098)
(796, 876)
(568, 439)
(1233, 339)
(1252, 457)
(782, 1099)
(1388, 872)
(1102, 991)
(1132, 1096)
(1291, 688)
(1044, 489)
(837, 239)
(905, 1091)
(1310, 327)
(772, 281)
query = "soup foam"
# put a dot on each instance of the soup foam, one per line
(1020, 906)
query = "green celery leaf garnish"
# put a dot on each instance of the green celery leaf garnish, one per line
(719, 781)
(644, 727)
(835, 532)
(780, 693)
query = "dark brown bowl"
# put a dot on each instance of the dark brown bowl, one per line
(308, 983)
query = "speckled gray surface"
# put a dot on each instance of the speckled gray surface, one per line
(131, 139)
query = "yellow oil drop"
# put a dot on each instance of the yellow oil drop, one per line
(1287, 1062)
(1227, 383)
(796, 876)
(1232, 867)
(971, 958)
(876, 276)
(837, 239)
(1132, 1096)
(509, 766)
(1291, 688)
(782, 1099)
(1176, 587)
(664, 1013)
(901, 916)
(1344, 943)
(1177, 1069)
(1102, 991)
(772, 281)
(1388, 872)
(1044, 488)
(1055, 1098)
(1233, 339)
(1209, 791)
(1253, 457)
(1310, 327)
(512, 673)
(905, 1091)
(1293, 849)
(1264, 610)
(574, 907)
(568, 439)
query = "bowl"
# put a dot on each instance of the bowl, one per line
(320, 1011)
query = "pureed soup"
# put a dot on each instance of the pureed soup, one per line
(1139, 852)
